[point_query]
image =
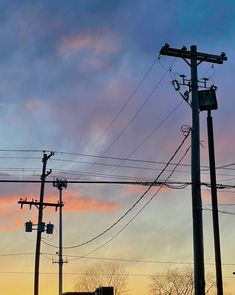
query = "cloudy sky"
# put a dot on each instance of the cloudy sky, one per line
(83, 78)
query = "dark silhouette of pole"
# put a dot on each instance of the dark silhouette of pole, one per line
(40, 216)
(196, 182)
(60, 246)
(215, 216)
(60, 184)
(195, 58)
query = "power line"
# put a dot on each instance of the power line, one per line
(80, 274)
(134, 116)
(150, 134)
(138, 212)
(220, 211)
(111, 259)
(170, 184)
(224, 167)
(16, 254)
(97, 174)
(138, 110)
(87, 274)
(25, 151)
(132, 207)
(143, 261)
(123, 107)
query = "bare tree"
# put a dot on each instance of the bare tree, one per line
(177, 282)
(103, 275)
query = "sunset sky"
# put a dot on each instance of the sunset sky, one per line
(83, 78)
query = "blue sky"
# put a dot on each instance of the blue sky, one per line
(67, 69)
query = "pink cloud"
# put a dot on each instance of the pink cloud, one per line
(224, 146)
(77, 202)
(12, 218)
(11, 215)
(103, 44)
(89, 204)
(113, 91)
(140, 189)
(98, 125)
(95, 49)
(33, 105)
(224, 197)
(9, 200)
(10, 221)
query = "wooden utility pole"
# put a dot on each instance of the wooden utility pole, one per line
(214, 204)
(40, 216)
(60, 184)
(195, 58)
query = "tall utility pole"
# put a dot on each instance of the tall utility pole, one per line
(40, 215)
(214, 204)
(195, 58)
(60, 184)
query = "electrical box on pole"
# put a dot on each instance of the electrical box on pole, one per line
(207, 100)
(50, 228)
(28, 226)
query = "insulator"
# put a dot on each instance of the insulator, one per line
(176, 85)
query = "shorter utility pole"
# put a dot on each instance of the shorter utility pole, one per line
(60, 184)
(40, 226)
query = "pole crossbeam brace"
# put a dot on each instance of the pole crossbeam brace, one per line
(36, 203)
(188, 54)
(54, 261)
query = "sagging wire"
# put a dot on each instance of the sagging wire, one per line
(138, 212)
(186, 131)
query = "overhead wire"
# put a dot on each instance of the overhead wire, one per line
(110, 259)
(22, 150)
(123, 106)
(134, 115)
(127, 178)
(110, 124)
(82, 173)
(133, 206)
(93, 156)
(91, 274)
(148, 136)
(145, 261)
(220, 211)
(138, 110)
(211, 67)
(136, 214)
(81, 274)
(226, 166)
